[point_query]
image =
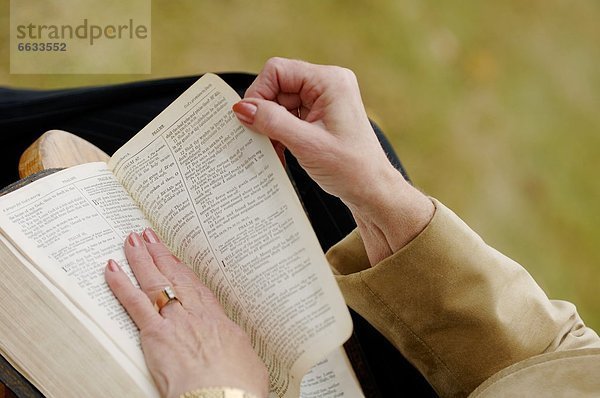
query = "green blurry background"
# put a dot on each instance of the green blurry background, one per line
(493, 106)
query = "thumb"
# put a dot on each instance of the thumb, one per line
(273, 120)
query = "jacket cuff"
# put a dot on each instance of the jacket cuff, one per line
(348, 255)
(447, 296)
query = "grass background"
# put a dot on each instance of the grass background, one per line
(494, 107)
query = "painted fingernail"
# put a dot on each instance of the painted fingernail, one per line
(112, 266)
(245, 111)
(134, 240)
(150, 236)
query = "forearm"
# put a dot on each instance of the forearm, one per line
(389, 214)
(455, 307)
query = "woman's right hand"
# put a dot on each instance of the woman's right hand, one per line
(316, 111)
(190, 343)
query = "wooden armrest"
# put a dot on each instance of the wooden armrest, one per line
(58, 149)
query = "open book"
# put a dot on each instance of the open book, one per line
(218, 196)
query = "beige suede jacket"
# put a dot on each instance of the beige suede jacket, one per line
(473, 321)
(470, 319)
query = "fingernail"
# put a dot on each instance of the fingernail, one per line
(245, 111)
(134, 240)
(150, 236)
(112, 266)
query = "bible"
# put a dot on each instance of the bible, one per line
(218, 197)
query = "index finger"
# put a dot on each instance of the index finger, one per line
(136, 303)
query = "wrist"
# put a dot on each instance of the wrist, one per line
(390, 215)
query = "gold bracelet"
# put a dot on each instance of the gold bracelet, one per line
(217, 392)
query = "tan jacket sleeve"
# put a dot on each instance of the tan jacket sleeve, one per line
(459, 310)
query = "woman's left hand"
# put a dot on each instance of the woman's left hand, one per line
(190, 343)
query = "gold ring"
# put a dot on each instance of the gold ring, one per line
(165, 296)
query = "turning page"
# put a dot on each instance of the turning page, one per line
(218, 196)
(332, 377)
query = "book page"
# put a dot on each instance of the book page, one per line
(332, 377)
(53, 344)
(218, 196)
(69, 224)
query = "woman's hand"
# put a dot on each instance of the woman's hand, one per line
(317, 112)
(189, 344)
